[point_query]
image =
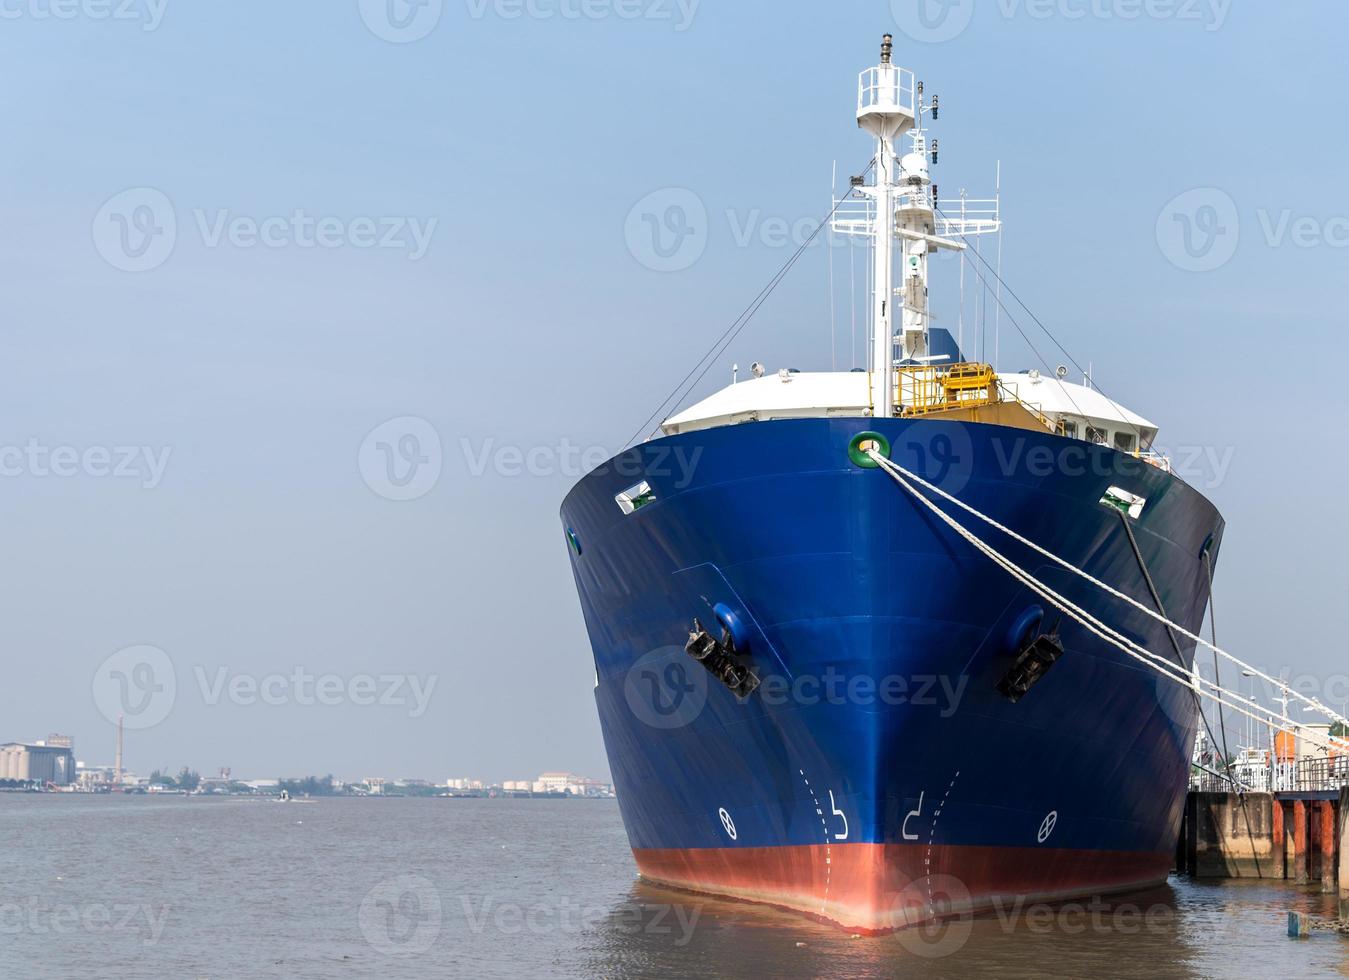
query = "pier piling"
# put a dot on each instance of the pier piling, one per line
(1278, 841)
(1344, 866)
(1299, 871)
(1329, 846)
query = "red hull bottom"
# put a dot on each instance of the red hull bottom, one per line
(877, 888)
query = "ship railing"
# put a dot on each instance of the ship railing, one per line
(886, 87)
(1154, 458)
(924, 389)
(1303, 776)
(853, 216)
(1010, 395)
(957, 217)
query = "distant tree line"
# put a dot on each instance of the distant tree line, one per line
(309, 786)
(185, 780)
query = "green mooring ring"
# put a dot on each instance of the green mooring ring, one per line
(859, 456)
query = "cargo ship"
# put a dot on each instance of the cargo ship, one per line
(816, 694)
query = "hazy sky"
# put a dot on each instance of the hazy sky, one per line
(240, 238)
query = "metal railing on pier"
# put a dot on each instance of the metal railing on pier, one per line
(1304, 776)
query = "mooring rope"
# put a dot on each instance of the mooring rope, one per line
(1194, 682)
(1282, 686)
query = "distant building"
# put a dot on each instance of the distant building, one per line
(572, 785)
(464, 785)
(37, 762)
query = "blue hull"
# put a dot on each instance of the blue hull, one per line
(878, 749)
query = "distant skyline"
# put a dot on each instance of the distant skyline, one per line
(313, 313)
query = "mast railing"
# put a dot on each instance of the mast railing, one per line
(886, 87)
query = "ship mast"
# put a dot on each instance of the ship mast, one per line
(902, 204)
(885, 109)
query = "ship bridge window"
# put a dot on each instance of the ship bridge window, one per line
(1096, 436)
(1070, 428)
(1126, 441)
(635, 498)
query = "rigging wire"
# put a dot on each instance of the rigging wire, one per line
(738, 324)
(833, 311)
(1063, 350)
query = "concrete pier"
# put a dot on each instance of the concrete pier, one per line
(1230, 837)
(1297, 837)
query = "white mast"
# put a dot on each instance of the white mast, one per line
(885, 109)
(902, 203)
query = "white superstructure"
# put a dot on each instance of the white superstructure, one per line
(899, 212)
